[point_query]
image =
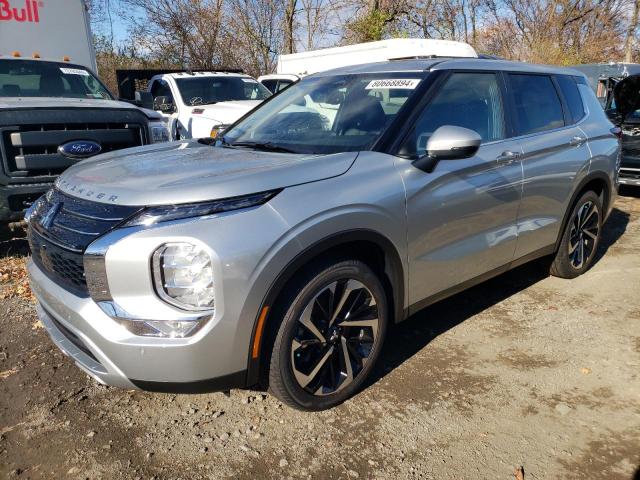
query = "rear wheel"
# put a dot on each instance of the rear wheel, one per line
(330, 336)
(580, 239)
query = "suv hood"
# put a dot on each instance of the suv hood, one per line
(183, 172)
(227, 112)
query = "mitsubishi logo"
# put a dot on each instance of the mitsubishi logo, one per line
(47, 219)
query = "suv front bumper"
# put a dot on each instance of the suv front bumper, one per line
(113, 356)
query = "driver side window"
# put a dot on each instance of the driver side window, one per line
(469, 100)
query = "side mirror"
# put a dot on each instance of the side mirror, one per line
(144, 99)
(449, 143)
(163, 104)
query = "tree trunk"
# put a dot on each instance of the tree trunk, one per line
(289, 21)
(631, 33)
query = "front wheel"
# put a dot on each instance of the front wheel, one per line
(330, 336)
(580, 239)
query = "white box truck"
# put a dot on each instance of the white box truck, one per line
(54, 29)
(54, 111)
(293, 66)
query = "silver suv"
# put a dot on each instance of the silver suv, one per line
(280, 253)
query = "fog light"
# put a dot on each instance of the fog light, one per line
(183, 276)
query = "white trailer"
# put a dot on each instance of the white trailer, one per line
(53, 29)
(293, 66)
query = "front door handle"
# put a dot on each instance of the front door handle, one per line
(577, 141)
(508, 157)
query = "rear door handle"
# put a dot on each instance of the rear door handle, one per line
(508, 157)
(577, 141)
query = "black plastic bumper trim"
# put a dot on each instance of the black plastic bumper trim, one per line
(218, 384)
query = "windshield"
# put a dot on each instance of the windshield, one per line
(208, 90)
(35, 78)
(327, 114)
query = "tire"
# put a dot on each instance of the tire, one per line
(308, 370)
(580, 238)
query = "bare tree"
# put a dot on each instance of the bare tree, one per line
(289, 26)
(188, 32)
(631, 33)
(250, 34)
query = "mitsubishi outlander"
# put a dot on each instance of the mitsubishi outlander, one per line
(280, 253)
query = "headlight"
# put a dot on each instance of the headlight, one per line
(159, 132)
(218, 130)
(183, 276)
(165, 213)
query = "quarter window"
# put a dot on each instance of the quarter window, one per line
(469, 100)
(537, 105)
(572, 97)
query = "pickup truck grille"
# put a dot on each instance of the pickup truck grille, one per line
(32, 150)
(30, 137)
(61, 227)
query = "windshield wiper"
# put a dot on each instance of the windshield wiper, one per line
(265, 146)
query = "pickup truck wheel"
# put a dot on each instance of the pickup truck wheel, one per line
(330, 336)
(580, 239)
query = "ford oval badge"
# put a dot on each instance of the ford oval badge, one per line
(79, 149)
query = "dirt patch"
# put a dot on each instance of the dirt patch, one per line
(521, 360)
(610, 457)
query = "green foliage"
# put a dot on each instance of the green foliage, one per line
(370, 26)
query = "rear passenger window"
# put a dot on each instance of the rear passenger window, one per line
(572, 97)
(537, 104)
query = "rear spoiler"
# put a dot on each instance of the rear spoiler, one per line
(137, 79)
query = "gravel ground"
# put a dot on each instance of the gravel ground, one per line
(525, 370)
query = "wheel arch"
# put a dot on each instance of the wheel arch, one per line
(367, 245)
(597, 181)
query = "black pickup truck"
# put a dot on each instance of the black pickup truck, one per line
(52, 115)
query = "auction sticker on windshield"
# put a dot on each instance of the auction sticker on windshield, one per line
(406, 83)
(74, 71)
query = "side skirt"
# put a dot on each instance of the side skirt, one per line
(543, 252)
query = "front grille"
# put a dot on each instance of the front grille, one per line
(61, 227)
(31, 150)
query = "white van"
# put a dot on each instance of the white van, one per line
(294, 66)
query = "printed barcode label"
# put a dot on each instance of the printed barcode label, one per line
(406, 83)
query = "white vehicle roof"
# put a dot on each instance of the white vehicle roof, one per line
(203, 74)
(279, 76)
(306, 63)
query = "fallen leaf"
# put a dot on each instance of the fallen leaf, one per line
(8, 373)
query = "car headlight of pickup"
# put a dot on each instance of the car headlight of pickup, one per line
(159, 132)
(165, 213)
(183, 276)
